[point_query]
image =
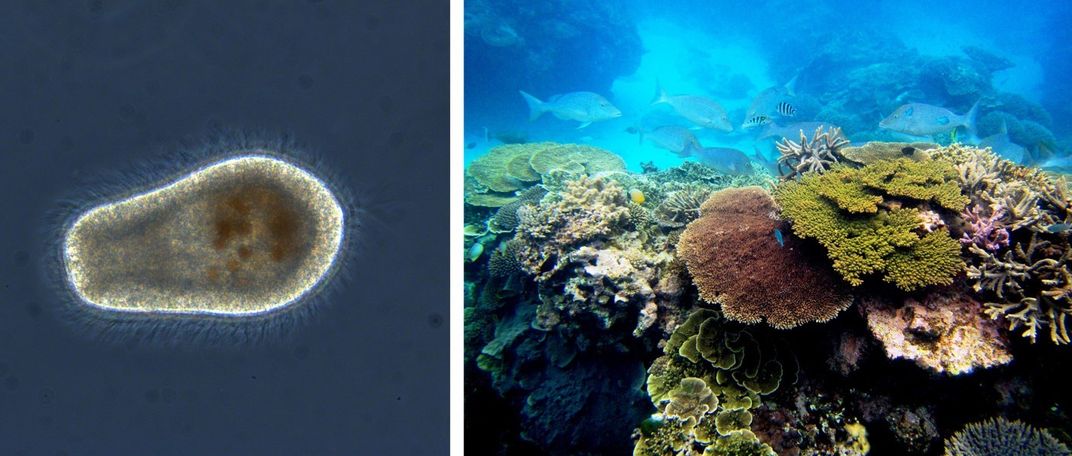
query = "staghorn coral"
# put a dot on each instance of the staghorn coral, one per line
(944, 331)
(1001, 437)
(681, 207)
(859, 216)
(1032, 284)
(735, 259)
(810, 156)
(985, 231)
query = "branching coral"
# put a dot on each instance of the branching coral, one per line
(736, 258)
(860, 217)
(1026, 278)
(986, 231)
(1032, 284)
(944, 331)
(810, 156)
(999, 437)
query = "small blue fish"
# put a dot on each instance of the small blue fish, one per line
(778, 237)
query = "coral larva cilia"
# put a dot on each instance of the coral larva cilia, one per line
(243, 236)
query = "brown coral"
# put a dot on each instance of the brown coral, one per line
(735, 258)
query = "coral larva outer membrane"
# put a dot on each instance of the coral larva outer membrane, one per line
(277, 308)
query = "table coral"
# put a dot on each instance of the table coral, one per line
(863, 218)
(735, 259)
(944, 331)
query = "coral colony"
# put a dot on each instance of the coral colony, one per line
(955, 259)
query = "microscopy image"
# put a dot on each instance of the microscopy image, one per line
(222, 229)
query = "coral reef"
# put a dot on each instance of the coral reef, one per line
(681, 207)
(944, 331)
(736, 259)
(986, 231)
(998, 436)
(813, 155)
(711, 375)
(576, 158)
(863, 218)
(492, 169)
(876, 151)
(505, 219)
(588, 210)
(1025, 278)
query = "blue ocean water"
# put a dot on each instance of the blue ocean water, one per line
(907, 299)
(854, 63)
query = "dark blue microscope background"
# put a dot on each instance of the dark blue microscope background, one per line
(88, 87)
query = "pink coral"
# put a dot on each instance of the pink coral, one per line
(986, 231)
(945, 331)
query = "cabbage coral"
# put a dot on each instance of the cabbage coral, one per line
(864, 219)
(736, 259)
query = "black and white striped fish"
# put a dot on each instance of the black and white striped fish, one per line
(786, 109)
(757, 121)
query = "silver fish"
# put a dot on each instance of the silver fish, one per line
(584, 107)
(766, 103)
(699, 110)
(724, 160)
(924, 119)
(1003, 146)
(673, 138)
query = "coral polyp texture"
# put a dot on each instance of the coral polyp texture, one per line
(736, 259)
(869, 220)
(243, 236)
(945, 331)
(1001, 437)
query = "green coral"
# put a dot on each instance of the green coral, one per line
(861, 217)
(712, 374)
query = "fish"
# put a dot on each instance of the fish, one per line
(673, 138)
(471, 145)
(476, 251)
(768, 100)
(924, 119)
(778, 237)
(786, 109)
(584, 107)
(756, 122)
(1003, 146)
(723, 159)
(792, 131)
(699, 110)
(1058, 227)
(1057, 163)
(770, 165)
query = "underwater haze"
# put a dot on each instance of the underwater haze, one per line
(784, 227)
